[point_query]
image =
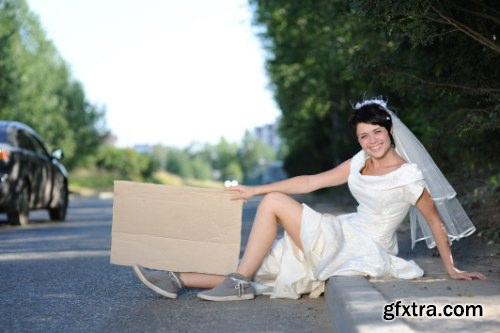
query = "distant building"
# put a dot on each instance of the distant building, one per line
(269, 172)
(269, 135)
(111, 140)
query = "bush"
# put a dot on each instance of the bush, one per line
(125, 163)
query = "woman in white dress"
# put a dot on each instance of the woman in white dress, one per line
(316, 246)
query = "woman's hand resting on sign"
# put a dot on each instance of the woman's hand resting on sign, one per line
(241, 192)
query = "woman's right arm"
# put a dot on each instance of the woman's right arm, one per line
(299, 184)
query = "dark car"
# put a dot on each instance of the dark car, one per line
(30, 178)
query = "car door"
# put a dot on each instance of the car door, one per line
(36, 169)
(50, 171)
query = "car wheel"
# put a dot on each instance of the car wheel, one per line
(20, 214)
(58, 213)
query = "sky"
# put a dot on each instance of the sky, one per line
(167, 71)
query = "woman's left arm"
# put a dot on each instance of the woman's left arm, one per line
(426, 206)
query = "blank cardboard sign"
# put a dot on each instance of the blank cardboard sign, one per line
(182, 229)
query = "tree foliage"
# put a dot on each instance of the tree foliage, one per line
(221, 161)
(436, 61)
(124, 163)
(36, 87)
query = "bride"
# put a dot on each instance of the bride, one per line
(390, 176)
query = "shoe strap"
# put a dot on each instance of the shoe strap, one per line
(240, 287)
(174, 277)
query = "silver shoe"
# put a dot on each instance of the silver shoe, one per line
(165, 283)
(235, 287)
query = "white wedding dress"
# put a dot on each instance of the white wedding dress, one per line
(360, 243)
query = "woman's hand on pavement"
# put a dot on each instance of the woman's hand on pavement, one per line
(457, 274)
(241, 192)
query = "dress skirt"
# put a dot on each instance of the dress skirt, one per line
(333, 245)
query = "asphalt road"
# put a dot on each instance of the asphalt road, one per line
(56, 277)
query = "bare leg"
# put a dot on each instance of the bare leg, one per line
(274, 208)
(200, 280)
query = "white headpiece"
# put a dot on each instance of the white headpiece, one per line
(455, 220)
(378, 101)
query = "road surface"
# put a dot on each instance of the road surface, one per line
(56, 277)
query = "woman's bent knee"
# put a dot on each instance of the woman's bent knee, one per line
(273, 197)
(288, 213)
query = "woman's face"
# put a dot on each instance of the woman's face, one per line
(374, 139)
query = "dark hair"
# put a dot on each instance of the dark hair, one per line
(372, 114)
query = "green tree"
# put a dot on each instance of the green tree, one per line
(224, 159)
(309, 49)
(85, 120)
(36, 87)
(201, 169)
(323, 55)
(125, 163)
(232, 171)
(179, 163)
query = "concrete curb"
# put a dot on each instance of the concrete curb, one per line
(354, 305)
